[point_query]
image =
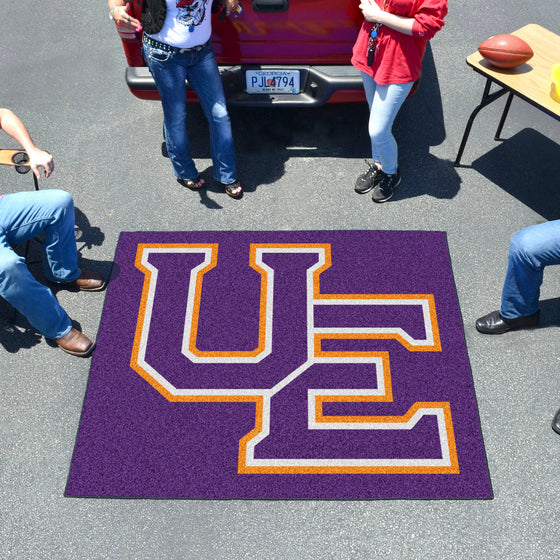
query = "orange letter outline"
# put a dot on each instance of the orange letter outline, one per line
(316, 397)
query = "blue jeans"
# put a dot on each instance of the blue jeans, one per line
(384, 104)
(170, 70)
(23, 216)
(530, 250)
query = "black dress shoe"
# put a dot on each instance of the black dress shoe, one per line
(494, 323)
(556, 422)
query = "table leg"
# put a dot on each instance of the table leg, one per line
(487, 98)
(504, 116)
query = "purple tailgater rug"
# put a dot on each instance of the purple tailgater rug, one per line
(281, 365)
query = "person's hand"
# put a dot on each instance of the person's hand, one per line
(39, 158)
(371, 11)
(125, 20)
(230, 6)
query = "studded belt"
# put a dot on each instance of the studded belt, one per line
(165, 47)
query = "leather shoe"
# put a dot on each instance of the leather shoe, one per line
(75, 343)
(556, 422)
(88, 281)
(494, 323)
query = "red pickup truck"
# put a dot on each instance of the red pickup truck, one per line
(277, 52)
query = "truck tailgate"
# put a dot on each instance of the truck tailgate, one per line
(289, 32)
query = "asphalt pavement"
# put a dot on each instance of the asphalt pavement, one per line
(62, 71)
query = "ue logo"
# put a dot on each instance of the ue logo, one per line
(308, 367)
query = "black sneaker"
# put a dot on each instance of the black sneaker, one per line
(366, 181)
(386, 187)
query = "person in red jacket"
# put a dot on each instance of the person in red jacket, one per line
(389, 51)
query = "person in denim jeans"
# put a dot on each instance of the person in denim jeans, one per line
(388, 52)
(177, 47)
(530, 251)
(23, 216)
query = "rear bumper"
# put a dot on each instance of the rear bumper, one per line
(319, 85)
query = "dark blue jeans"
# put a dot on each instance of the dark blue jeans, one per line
(170, 70)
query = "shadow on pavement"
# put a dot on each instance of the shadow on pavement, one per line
(527, 166)
(265, 138)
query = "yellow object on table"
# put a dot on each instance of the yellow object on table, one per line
(555, 87)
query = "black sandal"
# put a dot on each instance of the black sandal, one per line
(235, 190)
(192, 184)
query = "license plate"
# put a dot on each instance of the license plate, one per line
(272, 81)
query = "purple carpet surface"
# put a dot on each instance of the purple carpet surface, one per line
(281, 365)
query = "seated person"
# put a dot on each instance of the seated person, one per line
(530, 251)
(25, 215)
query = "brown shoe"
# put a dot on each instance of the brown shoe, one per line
(88, 281)
(76, 343)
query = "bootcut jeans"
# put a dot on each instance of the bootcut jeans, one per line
(170, 69)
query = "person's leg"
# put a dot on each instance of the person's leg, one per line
(31, 298)
(22, 217)
(369, 90)
(25, 215)
(205, 80)
(385, 105)
(367, 180)
(169, 75)
(531, 250)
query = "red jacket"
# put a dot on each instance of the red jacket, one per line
(398, 57)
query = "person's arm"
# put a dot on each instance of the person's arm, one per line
(230, 6)
(372, 12)
(13, 127)
(427, 21)
(118, 10)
